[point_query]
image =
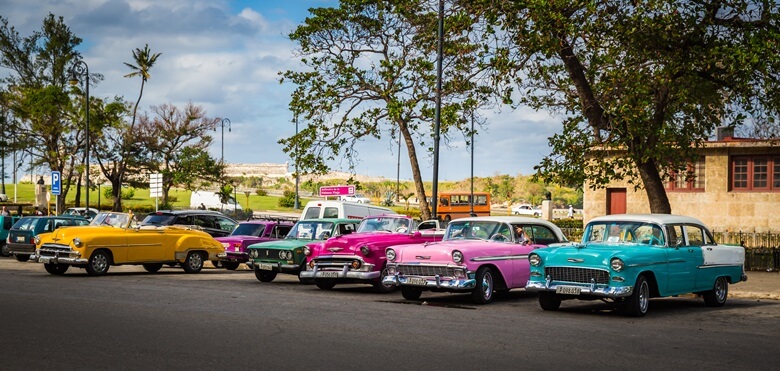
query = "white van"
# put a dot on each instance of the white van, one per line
(341, 209)
(210, 200)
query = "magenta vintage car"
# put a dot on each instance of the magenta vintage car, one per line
(248, 233)
(479, 255)
(360, 257)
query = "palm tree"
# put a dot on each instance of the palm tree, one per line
(144, 60)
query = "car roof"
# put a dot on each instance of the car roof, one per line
(335, 220)
(508, 219)
(189, 212)
(648, 218)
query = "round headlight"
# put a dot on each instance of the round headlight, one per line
(282, 254)
(77, 242)
(289, 255)
(457, 256)
(616, 264)
(356, 264)
(37, 240)
(534, 260)
(365, 250)
(306, 251)
(390, 255)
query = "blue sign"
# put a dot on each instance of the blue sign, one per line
(56, 183)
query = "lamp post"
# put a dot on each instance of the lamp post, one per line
(437, 119)
(297, 204)
(80, 69)
(398, 170)
(472, 167)
(225, 122)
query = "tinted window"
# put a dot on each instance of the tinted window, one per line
(249, 229)
(205, 221)
(159, 219)
(25, 224)
(280, 231)
(224, 224)
(312, 213)
(346, 229)
(331, 212)
(7, 222)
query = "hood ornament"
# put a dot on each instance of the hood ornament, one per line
(334, 249)
(573, 260)
(420, 257)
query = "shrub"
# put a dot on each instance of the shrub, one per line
(261, 192)
(288, 200)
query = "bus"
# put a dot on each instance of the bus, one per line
(453, 205)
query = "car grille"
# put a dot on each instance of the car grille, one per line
(266, 254)
(425, 270)
(51, 249)
(577, 275)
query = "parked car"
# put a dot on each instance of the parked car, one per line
(480, 255)
(116, 239)
(81, 211)
(3, 197)
(629, 259)
(357, 197)
(341, 209)
(6, 223)
(212, 200)
(21, 236)
(211, 222)
(288, 256)
(526, 210)
(360, 257)
(248, 233)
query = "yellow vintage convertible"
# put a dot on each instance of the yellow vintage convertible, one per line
(116, 239)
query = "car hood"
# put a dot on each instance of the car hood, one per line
(588, 254)
(351, 243)
(432, 253)
(286, 244)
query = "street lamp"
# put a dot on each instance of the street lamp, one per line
(471, 213)
(223, 123)
(437, 114)
(80, 69)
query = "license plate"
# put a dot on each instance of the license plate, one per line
(416, 281)
(328, 274)
(236, 249)
(44, 260)
(568, 290)
(19, 238)
(265, 266)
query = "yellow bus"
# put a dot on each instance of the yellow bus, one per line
(453, 205)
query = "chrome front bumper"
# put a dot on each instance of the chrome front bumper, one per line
(435, 282)
(240, 257)
(585, 289)
(340, 274)
(275, 266)
(57, 260)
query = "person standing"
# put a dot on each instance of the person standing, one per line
(5, 211)
(571, 211)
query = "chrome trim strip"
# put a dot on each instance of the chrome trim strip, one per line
(499, 258)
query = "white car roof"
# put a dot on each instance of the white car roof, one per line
(648, 218)
(508, 219)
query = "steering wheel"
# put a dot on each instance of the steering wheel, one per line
(653, 240)
(498, 237)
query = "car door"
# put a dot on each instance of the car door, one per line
(521, 270)
(224, 225)
(147, 245)
(683, 256)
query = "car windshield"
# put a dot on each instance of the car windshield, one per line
(385, 224)
(311, 230)
(117, 220)
(473, 230)
(249, 229)
(624, 232)
(159, 219)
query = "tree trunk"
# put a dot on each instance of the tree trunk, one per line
(116, 193)
(654, 186)
(425, 212)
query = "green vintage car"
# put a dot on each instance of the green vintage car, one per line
(288, 255)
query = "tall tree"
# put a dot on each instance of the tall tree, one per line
(371, 75)
(49, 127)
(641, 84)
(178, 144)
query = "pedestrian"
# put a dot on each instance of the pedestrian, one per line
(40, 180)
(38, 211)
(5, 211)
(19, 210)
(202, 206)
(571, 211)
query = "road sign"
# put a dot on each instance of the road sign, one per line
(56, 183)
(155, 185)
(337, 191)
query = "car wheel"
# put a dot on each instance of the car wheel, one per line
(22, 258)
(264, 275)
(56, 269)
(153, 268)
(5, 250)
(194, 262)
(231, 266)
(638, 303)
(549, 301)
(383, 288)
(717, 296)
(483, 292)
(325, 284)
(215, 263)
(98, 263)
(411, 293)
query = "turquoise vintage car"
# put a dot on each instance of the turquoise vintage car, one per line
(289, 255)
(632, 258)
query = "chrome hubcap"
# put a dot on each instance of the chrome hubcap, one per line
(644, 296)
(99, 263)
(720, 289)
(487, 285)
(195, 261)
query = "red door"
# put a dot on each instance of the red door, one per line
(616, 201)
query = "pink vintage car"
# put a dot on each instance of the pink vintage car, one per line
(480, 255)
(360, 257)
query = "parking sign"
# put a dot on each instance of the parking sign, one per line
(56, 183)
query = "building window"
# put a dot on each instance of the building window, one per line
(755, 173)
(690, 180)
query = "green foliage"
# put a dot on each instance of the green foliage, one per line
(288, 200)
(261, 192)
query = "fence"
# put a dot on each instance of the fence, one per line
(762, 249)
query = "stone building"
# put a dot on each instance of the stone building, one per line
(736, 187)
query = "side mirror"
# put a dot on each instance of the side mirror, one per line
(417, 234)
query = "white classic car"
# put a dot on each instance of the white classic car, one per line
(526, 209)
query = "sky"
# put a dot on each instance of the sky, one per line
(226, 55)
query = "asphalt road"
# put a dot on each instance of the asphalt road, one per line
(217, 319)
